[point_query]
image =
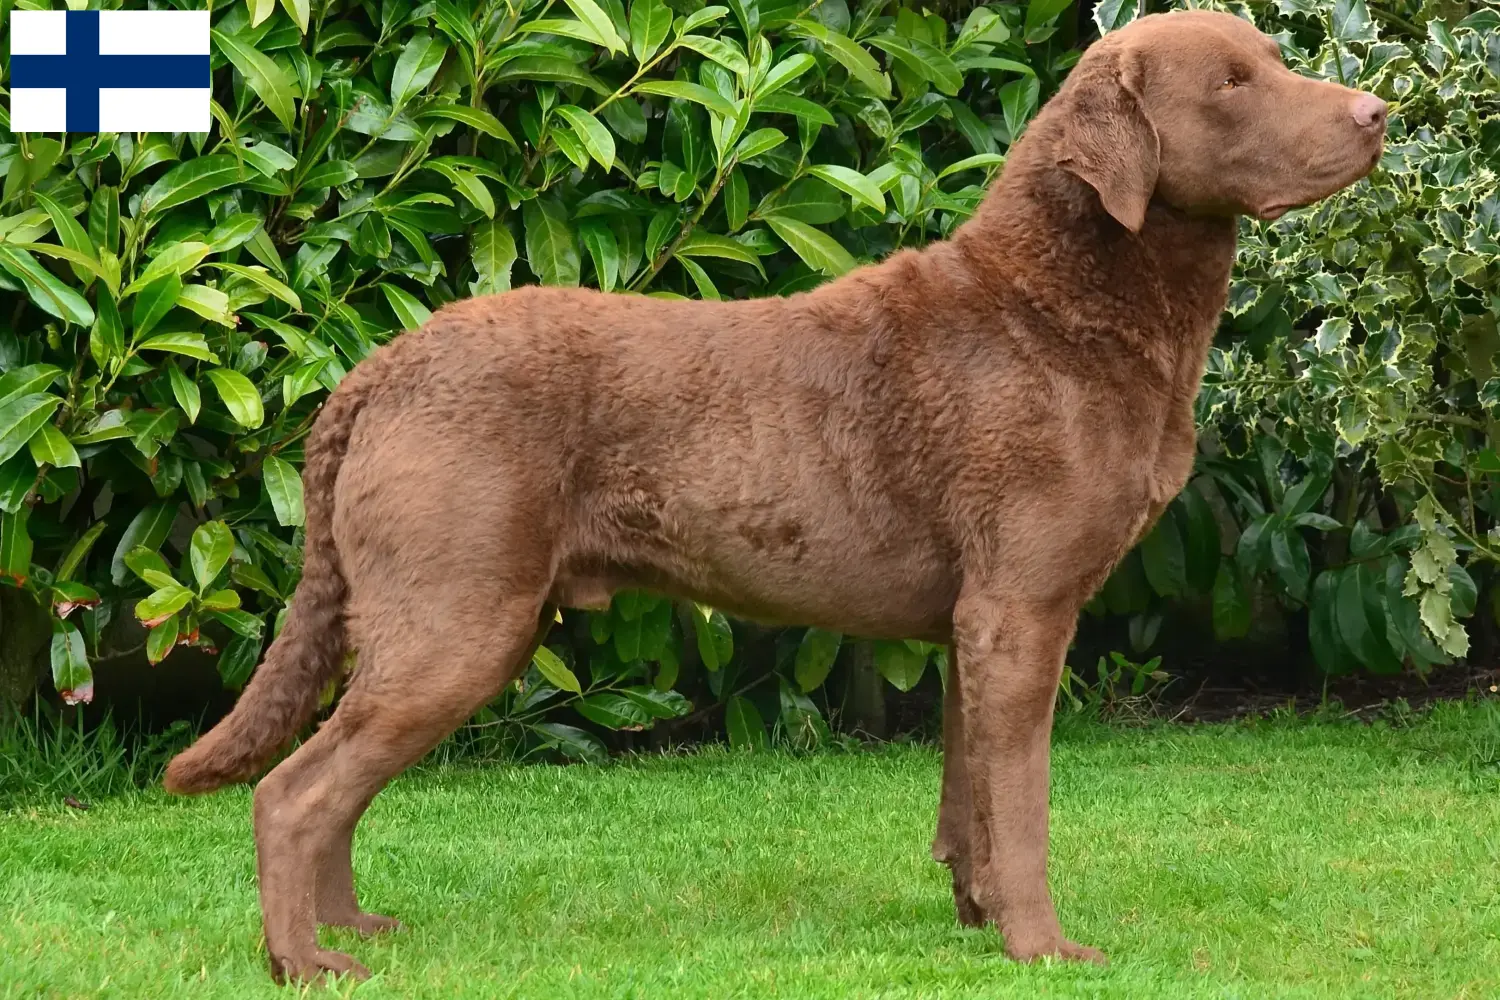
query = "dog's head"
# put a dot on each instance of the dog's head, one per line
(1197, 110)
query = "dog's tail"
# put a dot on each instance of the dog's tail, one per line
(284, 693)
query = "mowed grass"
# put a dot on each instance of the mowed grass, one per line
(1257, 861)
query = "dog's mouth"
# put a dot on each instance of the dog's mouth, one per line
(1340, 180)
(1272, 212)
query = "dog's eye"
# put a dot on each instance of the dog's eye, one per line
(1229, 83)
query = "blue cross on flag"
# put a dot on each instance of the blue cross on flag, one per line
(109, 71)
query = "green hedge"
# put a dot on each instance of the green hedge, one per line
(177, 305)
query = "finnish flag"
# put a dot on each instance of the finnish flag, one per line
(109, 71)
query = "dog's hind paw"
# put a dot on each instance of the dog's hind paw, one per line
(1059, 948)
(315, 966)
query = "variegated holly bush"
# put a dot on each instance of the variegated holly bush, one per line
(176, 306)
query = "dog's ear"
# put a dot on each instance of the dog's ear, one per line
(1107, 140)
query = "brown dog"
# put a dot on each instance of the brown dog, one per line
(956, 445)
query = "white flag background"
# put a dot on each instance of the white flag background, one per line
(122, 108)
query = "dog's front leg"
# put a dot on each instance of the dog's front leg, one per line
(1011, 651)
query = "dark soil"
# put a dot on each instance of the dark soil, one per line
(1219, 698)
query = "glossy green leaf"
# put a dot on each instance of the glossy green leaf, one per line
(299, 10)
(238, 661)
(164, 602)
(899, 664)
(50, 295)
(180, 259)
(975, 162)
(815, 656)
(210, 303)
(15, 547)
(71, 675)
(412, 314)
(1360, 616)
(191, 180)
(591, 132)
(860, 64)
(162, 639)
(73, 236)
(493, 251)
(593, 15)
(715, 638)
(604, 250)
(190, 345)
(79, 551)
(476, 118)
(720, 50)
(784, 72)
(613, 711)
(153, 302)
(270, 83)
(687, 92)
(421, 57)
(23, 417)
(817, 249)
(787, 104)
(923, 58)
(555, 670)
(1290, 557)
(747, 730)
(852, 183)
(551, 249)
(239, 395)
(26, 381)
(283, 486)
(209, 551)
(264, 280)
(49, 446)
(650, 23)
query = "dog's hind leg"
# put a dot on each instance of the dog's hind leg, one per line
(956, 828)
(337, 904)
(424, 668)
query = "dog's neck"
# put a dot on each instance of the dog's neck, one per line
(1041, 234)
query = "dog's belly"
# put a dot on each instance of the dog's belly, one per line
(785, 564)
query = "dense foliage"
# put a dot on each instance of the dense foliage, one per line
(175, 307)
(179, 304)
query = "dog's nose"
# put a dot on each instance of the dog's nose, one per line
(1369, 112)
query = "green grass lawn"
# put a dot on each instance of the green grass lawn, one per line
(1255, 861)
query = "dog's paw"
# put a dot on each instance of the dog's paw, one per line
(315, 966)
(1023, 949)
(366, 924)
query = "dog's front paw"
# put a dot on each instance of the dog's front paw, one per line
(315, 966)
